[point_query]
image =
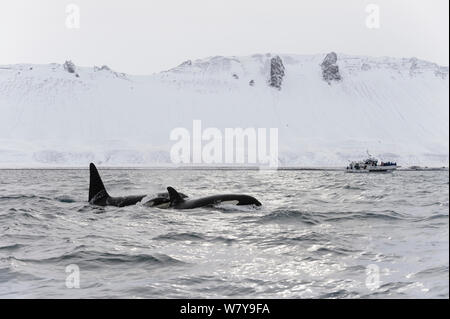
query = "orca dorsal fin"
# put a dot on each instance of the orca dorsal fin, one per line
(174, 196)
(95, 182)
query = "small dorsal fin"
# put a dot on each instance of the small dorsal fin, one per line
(95, 182)
(174, 196)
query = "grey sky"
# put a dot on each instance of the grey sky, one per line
(146, 36)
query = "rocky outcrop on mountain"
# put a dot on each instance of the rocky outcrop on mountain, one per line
(330, 70)
(102, 68)
(414, 66)
(276, 72)
(69, 66)
(186, 63)
(106, 68)
(441, 72)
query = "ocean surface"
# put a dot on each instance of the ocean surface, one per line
(319, 234)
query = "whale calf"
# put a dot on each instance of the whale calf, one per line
(179, 202)
(100, 197)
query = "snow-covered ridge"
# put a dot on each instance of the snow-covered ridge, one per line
(397, 108)
(259, 64)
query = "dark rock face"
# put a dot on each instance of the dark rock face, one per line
(102, 68)
(69, 66)
(186, 63)
(330, 70)
(330, 59)
(441, 72)
(251, 83)
(413, 67)
(276, 72)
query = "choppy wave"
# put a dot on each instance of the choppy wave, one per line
(99, 259)
(315, 236)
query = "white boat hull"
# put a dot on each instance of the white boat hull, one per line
(373, 169)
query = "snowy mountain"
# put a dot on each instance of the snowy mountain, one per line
(328, 108)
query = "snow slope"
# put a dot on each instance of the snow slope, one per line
(396, 108)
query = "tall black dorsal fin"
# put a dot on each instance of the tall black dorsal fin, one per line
(95, 182)
(174, 196)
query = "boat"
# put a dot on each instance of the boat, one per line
(370, 165)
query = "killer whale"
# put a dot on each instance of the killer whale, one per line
(100, 197)
(177, 201)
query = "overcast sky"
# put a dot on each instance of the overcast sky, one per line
(146, 36)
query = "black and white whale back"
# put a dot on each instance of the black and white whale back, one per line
(177, 201)
(100, 197)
